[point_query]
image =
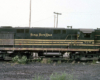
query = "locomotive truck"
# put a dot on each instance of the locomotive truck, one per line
(83, 44)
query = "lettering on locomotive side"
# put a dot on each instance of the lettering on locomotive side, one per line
(33, 34)
(40, 34)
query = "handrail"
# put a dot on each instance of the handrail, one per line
(69, 34)
(71, 37)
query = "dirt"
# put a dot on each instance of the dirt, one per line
(80, 71)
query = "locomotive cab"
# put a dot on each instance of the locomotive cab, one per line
(87, 36)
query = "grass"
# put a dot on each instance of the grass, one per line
(59, 62)
(39, 78)
(62, 76)
(94, 62)
(57, 76)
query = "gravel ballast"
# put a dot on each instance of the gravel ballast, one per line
(80, 71)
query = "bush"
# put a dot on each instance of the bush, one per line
(22, 60)
(15, 59)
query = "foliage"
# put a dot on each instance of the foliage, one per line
(15, 59)
(94, 61)
(21, 60)
(59, 62)
(46, 60)
(49, 61)
(38, 60)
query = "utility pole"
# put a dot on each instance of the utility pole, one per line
(57, 18)
(54, 21)
(30, 15)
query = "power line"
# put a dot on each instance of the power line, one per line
(81, 13)
(43, 19)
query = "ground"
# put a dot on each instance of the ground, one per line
(80, 71)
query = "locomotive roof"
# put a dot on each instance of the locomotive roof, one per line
(83, 30)
(87, 30)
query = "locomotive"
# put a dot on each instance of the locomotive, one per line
(83, 44)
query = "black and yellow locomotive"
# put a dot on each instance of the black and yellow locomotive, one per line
(81, 44)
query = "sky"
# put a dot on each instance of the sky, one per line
(75, 13)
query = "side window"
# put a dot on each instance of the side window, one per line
(63, 31)
(20, 30)
(87, 35)
(26, 30)
(56, 31)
